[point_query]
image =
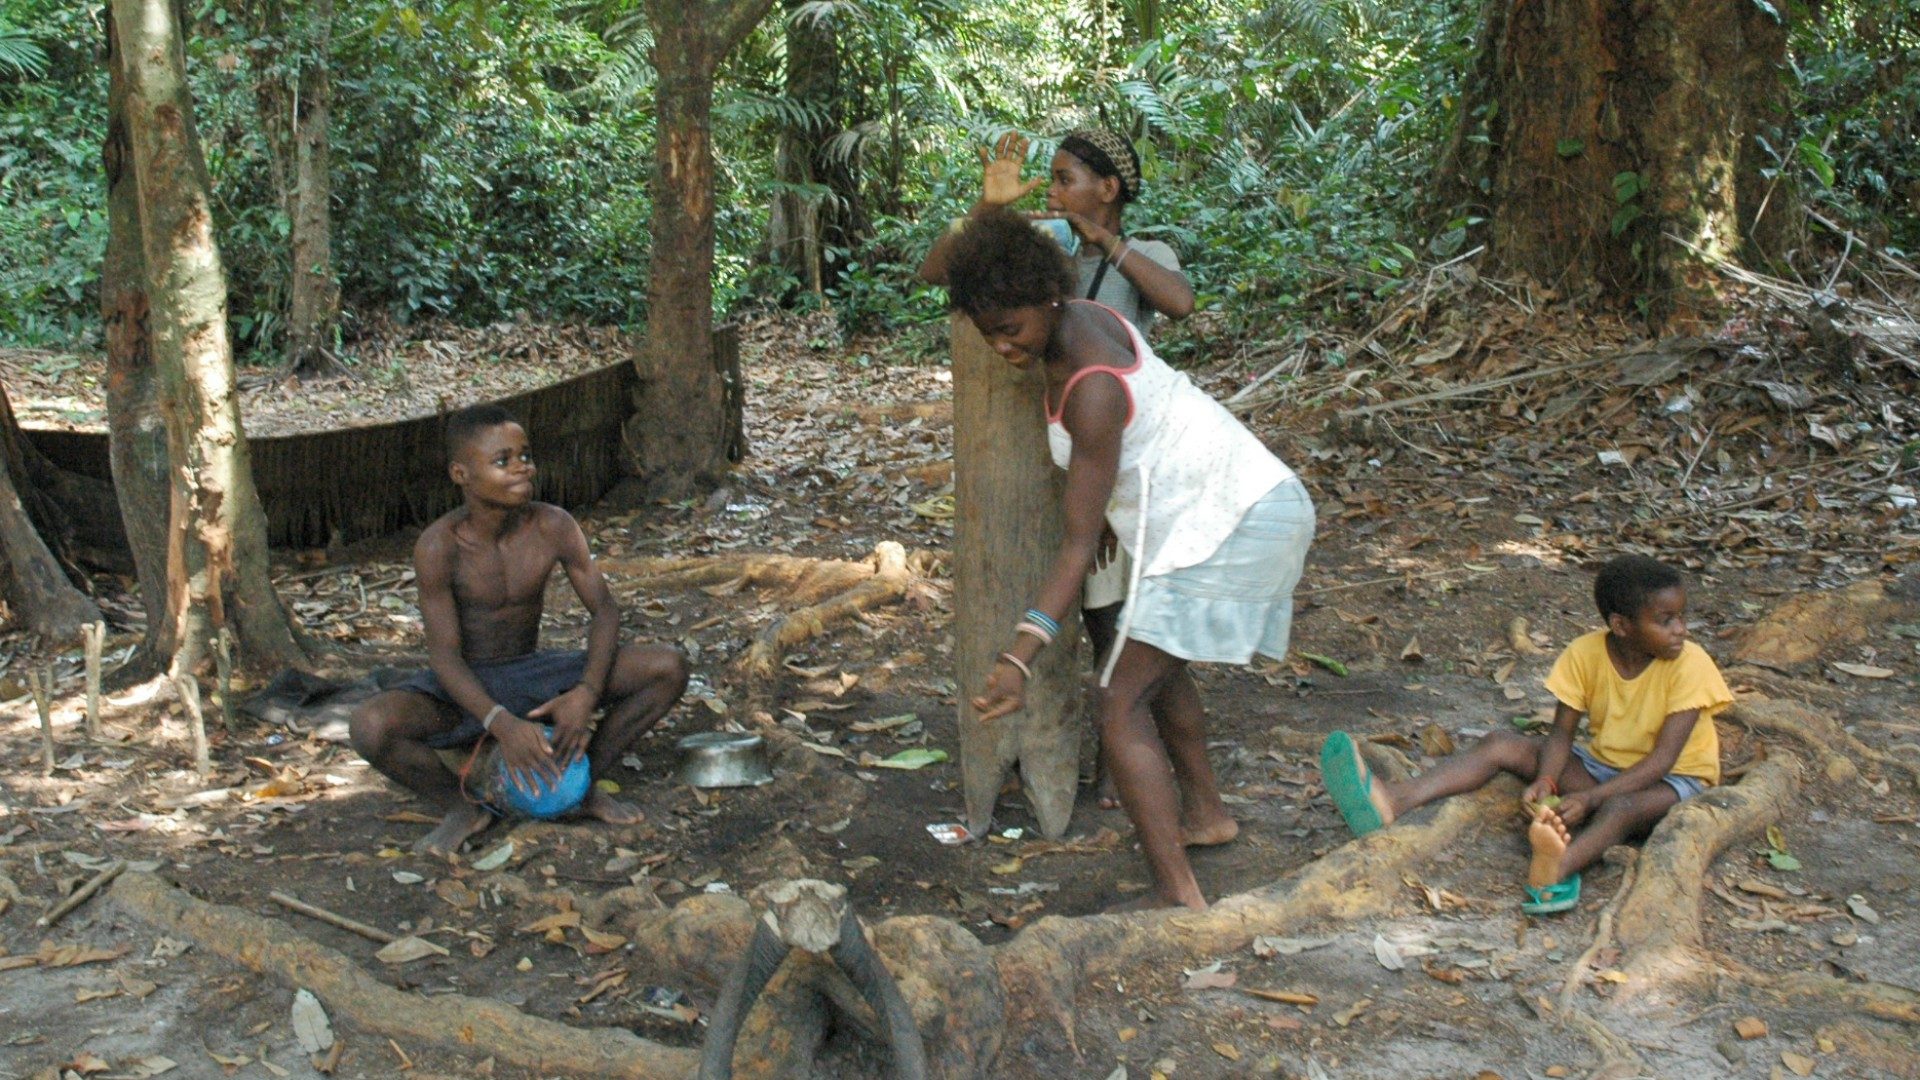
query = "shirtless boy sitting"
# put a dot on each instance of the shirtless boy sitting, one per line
(482, 571)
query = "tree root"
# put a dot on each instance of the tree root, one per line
(1618, 1059)
(890, 574)
(1387, 761)
(465, 1024)
(1883, 1001)
(1602, 935)
(1658, 922)
(1820, 734)
(1044, 967)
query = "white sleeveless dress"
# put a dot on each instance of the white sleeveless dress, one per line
(1216, 526)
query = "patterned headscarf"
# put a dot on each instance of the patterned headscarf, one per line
(1107, 154)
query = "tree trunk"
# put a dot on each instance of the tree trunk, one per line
(217, 549)
(294, 99)
(680, 374)
(136, 432)
(807, 225)
(1596, 132)
(43, 597)
(1006, 533)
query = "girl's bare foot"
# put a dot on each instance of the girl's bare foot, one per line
(1218, 830)
(1151, 900)
(1549, 837)
(605, 807)
(460, 823)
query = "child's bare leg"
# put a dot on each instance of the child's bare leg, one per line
(1143, 774)
(1619, 820)
(1181, 722)
(1498, 752)
(646, 681)
(390, 730)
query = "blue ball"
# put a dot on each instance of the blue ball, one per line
(547, 801)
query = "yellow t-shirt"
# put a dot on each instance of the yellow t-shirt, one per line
(1624, 716)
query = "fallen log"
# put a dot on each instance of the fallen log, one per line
(468, 1025)
(1658, 923)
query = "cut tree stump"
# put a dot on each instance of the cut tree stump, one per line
(1006, 532)
(466, 1025)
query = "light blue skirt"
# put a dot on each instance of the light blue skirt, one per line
(1240, 600)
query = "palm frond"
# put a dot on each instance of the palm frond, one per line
(19, 53)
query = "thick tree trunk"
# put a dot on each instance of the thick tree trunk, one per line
(807, 225)
(43, 598)
(315, 292)
(681, 376)
(294, 101)
(217, 549)
(1006, 533)
(1599, 134)
(136, 432)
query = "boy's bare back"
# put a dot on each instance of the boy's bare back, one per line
(492, 591)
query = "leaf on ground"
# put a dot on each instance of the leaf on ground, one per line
(599, 941)
(1268, 945)
(408, 949)
(1863, 671)
(1227, 1050)
(310, 1023)
(1750, 1027)
(495, 859)
(1284, 997)
(917, 758)
(1327, 662)
(1435, 741)
(1860, 908)
(1388, 955)
(1210, 977)
(1347, 1015)
(559, 920)
(1410, 652)
(1798, 1064)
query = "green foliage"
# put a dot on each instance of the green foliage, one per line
(493, 157)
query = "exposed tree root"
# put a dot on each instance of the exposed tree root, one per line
(1658, 923)
(890, 575)
(469, 1025)
(1618, 1059)
(1386, 760)
(1883, 1001)
(1820, 734)
(1602, 935)
(1045, 966)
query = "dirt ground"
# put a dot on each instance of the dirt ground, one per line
(1430, 547)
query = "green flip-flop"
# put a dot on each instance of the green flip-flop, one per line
(1348, 782)
(1549, 899)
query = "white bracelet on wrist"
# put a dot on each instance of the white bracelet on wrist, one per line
(486, 722)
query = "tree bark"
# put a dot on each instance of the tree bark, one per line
(807, 225)
(136, 432)
(43, 597)
(1595, 132)
(217, 547)
(293, 98)
(1006, 533)
(681, 374)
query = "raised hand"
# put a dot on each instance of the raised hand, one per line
(1001, 184)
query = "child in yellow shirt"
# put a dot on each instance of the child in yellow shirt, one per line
(1649, 696)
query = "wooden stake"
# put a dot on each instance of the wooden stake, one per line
(81, 895)
(189, 690)
(223, 668)
(93, 636)
(294, 903)
(41, 683)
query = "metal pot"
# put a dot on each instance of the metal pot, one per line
(717, 759)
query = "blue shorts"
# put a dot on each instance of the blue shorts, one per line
(520, 684)
(1684, 786)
